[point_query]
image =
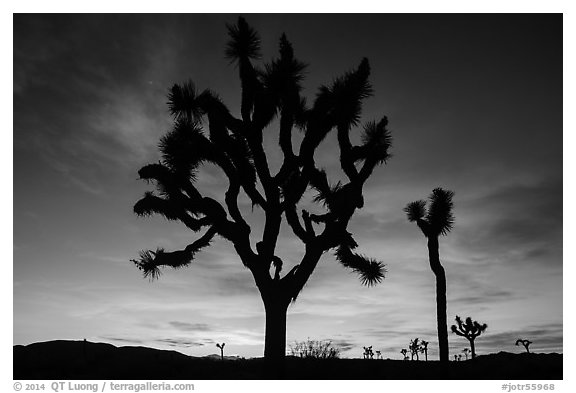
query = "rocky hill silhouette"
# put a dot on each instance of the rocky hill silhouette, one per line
(86, 360)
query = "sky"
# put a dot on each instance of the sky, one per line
(474, 104)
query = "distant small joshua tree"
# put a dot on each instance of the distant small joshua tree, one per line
(368, 353)
(459, 356)
(526, 343)
(404, 352)
(221, 346)
(378, 355)
(414, 348)
(424, 348)
(469, 329)
(455, 357)
(466, 352)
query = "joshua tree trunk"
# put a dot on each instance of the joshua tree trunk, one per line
(440, 297)
(472, 348)
(275, 335)
(275, 341)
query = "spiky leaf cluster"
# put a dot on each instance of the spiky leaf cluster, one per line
(376, 142)
(440, 214)
(338, 105)
(151, 261)
(152, 204)
(415, 210)
(185, 148)
(436, 219)
(344, 97)
(371, 271)
(244, 43)
(182, 102)
(328, 194)
(284, 75)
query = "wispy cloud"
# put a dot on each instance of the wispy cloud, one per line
(125, 340)
(483, 297)
(343, 345)
(190, 327)
(179, 342)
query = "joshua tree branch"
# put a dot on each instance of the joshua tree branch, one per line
(255, 196)
(272, 224)
(318, 218)
(151, 261)
(346, 158)
(249, 84)
(294, 222)
(298, 276)
(290, 161)
(308, 223)
(424, 227)
(231, 198)
(458, 332)
(277, 262)
(286, 123)
(220, 120)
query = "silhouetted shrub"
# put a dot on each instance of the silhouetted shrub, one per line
(314, 349)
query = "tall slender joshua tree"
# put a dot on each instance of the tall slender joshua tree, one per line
(435, 221)
(470, 330)
(525, 343)
(235, 145)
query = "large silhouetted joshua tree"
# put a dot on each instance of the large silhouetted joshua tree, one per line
(525, 343)
(206, 132)
(435, 220)
(470, 330)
